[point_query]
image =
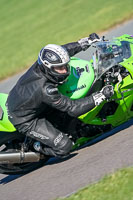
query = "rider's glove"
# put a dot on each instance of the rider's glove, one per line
(87, 41)
(104, 94)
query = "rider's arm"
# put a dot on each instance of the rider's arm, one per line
(72, 48)
(54, 98)
(82, 44)
(75, 108)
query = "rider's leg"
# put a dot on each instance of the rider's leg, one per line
(57, 143)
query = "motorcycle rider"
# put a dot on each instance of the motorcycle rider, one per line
(36, 93)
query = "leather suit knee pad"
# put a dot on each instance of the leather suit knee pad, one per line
(64, 146)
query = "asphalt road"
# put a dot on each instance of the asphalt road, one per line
(60, 178)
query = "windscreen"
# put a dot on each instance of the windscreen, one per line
(109, 54)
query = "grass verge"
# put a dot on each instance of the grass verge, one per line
(117, 186)
(26, 26)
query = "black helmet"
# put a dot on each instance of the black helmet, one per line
(55, 58)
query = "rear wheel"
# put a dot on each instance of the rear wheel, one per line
(12, 142)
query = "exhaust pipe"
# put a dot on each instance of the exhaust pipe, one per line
(19, 157)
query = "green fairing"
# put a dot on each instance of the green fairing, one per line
(5, 124)
(80, 79)
(124, 111)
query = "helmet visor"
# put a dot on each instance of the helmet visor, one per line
(61, 70)
(60, 73)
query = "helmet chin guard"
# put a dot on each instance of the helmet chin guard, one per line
(52, 56)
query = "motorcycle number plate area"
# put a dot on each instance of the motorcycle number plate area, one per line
(1, 113)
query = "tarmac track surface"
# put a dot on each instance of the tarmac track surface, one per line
(87, 165)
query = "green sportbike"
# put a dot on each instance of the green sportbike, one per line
(112, 63)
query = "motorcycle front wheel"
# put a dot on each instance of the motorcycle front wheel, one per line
(12, 142)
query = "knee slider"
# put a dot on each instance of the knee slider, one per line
(64, 146)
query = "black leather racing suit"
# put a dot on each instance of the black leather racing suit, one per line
(33, 97)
